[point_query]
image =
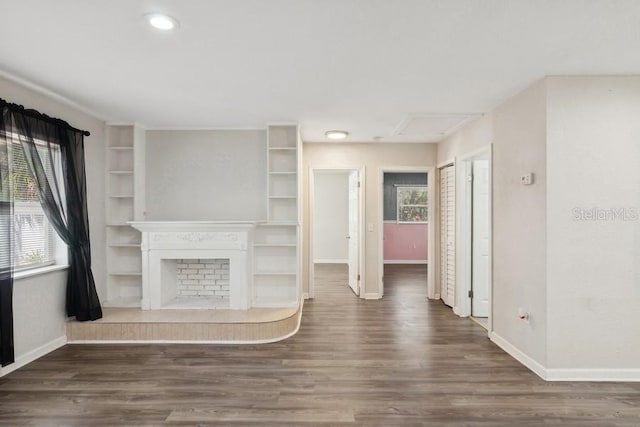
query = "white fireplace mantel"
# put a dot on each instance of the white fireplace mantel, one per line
(171, 240)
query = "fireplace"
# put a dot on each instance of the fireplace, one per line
(196, 265)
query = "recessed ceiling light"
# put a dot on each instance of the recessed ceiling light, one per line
(336, 134)
(162, 22)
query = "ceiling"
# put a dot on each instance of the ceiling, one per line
(371, 67)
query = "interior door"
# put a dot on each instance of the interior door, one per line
(354, 226)
(447, 235)
(480, 239)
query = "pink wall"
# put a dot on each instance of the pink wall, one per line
(405, 242)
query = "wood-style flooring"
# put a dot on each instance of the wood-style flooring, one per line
(402, 360)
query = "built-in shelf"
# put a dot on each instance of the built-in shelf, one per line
(125, 273)
(124, 202)
(276, 248)
(274, 245)
(274, 273)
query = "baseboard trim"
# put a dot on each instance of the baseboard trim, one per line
(593, 375)
(372, 295)
(517, 354)
(406, 261)
(554, 374)
(34, 355)
(331, 261)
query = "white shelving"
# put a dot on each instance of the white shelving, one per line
(125, 202)
(276, 247)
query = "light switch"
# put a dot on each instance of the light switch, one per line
(370, 227)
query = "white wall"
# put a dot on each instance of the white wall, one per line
(39, 314)
(372, 157)
(517, 131)
(206, 175)
(331, 216)
(472, 137)
(519, 221)
(577, 275)
(593, 284)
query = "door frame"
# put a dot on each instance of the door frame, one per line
(430, 171)
(463, 303)
(312, 202)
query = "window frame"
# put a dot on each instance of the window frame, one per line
(399, 206)
(58, 256)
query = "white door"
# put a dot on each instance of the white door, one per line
(480, 239)
(354, 224)
(447, 235)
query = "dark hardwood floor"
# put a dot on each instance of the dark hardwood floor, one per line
(402, 360)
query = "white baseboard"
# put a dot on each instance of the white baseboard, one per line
(625, 375)
(372, 295)
(514, 352)
(34, 354)
(555, 374)
(331, 261)
(405, 261)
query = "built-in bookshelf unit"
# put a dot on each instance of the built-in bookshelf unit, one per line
(125, 202)
(276, 242)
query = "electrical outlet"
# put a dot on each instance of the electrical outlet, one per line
(526, 179)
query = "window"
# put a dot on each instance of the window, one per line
(34, 240)
(412, 203)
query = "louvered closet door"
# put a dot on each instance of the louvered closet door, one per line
(447, 235)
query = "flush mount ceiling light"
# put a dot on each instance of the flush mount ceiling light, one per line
(162, 22)
(336, 134)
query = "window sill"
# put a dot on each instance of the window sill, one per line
(38, 271)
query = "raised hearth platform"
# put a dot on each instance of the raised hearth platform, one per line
(127, 325)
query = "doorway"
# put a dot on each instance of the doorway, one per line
(476, 236)
(406, 228)
(335, 229)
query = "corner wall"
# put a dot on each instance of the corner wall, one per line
(517, 132)
(519, 222)
(566, 248)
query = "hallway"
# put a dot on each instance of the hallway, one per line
(402, 360)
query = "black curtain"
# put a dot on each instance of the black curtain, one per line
(62, 195)
(6, 253)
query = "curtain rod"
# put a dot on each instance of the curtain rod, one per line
(41, 116)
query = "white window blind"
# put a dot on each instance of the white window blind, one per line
(34, 239)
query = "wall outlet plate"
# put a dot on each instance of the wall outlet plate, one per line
(526, 179)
